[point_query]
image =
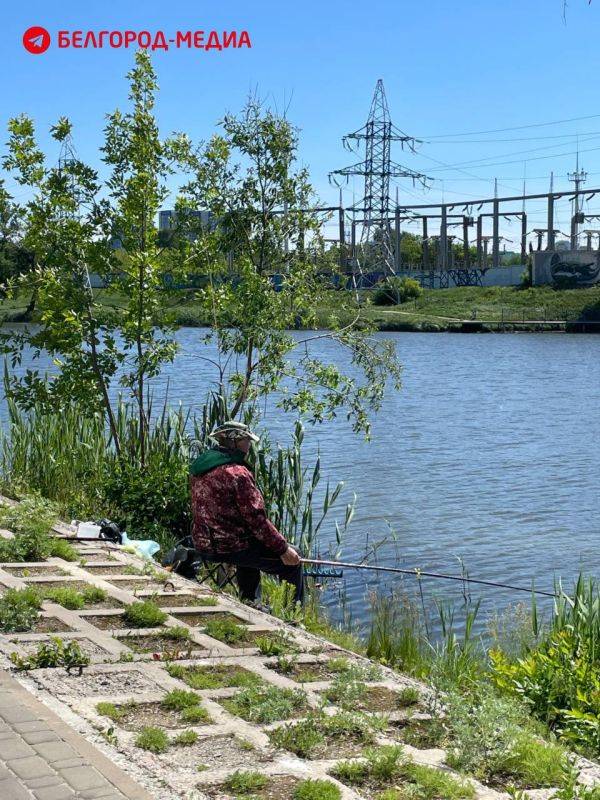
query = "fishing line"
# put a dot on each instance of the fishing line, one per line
(418, 573)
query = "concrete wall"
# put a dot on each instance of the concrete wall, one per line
(503, 276)
(579, 267)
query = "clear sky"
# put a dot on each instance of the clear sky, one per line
(449, 66)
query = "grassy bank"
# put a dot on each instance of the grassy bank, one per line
(434, 310)
(505, 709)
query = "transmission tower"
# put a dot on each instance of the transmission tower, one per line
(378, 133)
(66, 161)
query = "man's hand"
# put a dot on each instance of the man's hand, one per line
(290, 557)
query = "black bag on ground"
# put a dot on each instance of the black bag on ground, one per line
(183, 558)
(110, 531)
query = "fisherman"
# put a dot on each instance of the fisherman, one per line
(230, 523)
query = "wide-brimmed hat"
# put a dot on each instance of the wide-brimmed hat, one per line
(233, 430)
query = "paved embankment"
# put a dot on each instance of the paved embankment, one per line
(78, 735)
(44, 758)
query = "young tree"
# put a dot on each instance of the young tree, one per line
(260, 201)
(14, 258)
(68, 227)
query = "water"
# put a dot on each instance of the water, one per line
(489, 454)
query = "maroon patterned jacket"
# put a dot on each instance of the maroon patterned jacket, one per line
(229, 512)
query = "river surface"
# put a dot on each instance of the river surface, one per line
(490, 453)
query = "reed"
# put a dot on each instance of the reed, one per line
(69, 457)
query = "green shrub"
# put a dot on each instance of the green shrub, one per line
(60, 548)
(305, 736)
(72, 599)
(178, 699)
(144, 614)
(246, 782)
(396, 291)
(152, 503)
(345, 693)
(409, 696)
(353, 772)
(31, 521)
(560, 675)
(536, 763)
(382, 764)
(491, 737)
(225, 630)
(93, 595)
(19, 610)
(110, 710)
(275, 644)
(153, 739)
(265, 704)
(302, 738)
(175, 634)
(215, 676)
(66, 597)
(195, 715)
(428, 783)
(385, 765)
(53, 654)
(185, 739)
(316, 790)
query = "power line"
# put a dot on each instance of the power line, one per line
(476, 161)
(513, 138)
(516, 128)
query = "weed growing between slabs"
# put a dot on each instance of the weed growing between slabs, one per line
(31, 522)
(321, 736)
(245, 782)
(386, 769)
(225, 630)
(19, 610)
(155, 740)
(55, 653)
(73, 599)
(169, 644)
(256, 786)
(265, 704)
(357, 695)
(144, 614)
(215, 676)
(176, 707)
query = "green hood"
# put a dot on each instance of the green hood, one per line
(216, 457)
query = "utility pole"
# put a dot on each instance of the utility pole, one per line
(378, 133)
(578, 177)
(550, 226)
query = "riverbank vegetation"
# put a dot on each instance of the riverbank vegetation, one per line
(432, 310)
(72, 441)
(506, 703)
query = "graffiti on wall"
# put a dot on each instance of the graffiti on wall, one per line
(570, 267)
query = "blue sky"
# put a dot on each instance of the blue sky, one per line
(449, 66)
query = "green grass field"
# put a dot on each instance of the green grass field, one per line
(435, 310)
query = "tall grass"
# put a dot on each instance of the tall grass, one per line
(579, 613)
(400, 635)
(68, 457)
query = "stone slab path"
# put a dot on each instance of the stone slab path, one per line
(42, 758)
(77, 736)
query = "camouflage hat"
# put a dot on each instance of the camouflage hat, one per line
(233, 430)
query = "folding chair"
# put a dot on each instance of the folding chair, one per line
(185, 560)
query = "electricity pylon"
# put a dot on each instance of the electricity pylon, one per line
(378, 133)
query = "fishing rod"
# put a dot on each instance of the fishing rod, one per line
(418, 573)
